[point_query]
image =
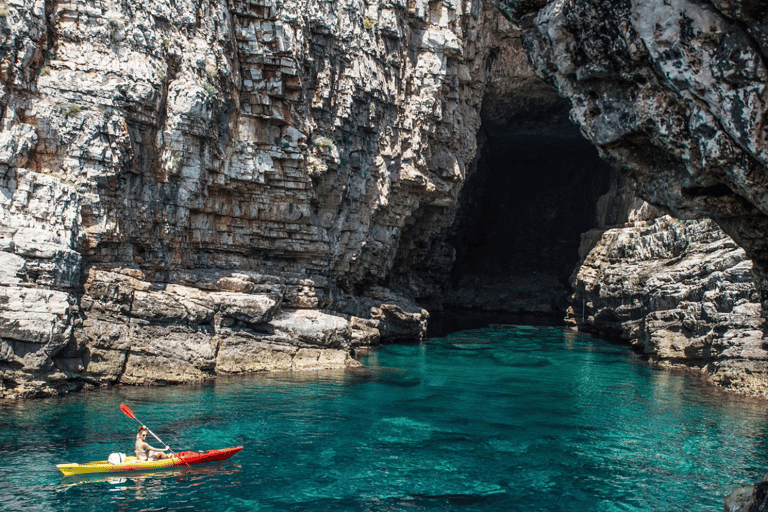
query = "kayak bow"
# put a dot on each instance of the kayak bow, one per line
(134, 464)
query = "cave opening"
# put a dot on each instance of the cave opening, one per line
(530, 193)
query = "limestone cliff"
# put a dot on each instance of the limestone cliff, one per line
(680, 291)
(194, 188)
(191, 188)
(672, 93)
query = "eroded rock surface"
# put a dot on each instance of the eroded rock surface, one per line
(193, 188)
(673, 94)
(682, 292)
(189, 189)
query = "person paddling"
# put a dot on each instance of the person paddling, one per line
(146, 452)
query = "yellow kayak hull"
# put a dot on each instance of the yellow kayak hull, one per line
(103, 466)
(134, 464)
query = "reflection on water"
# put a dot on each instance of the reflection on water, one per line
(502, 418)
(194, 474)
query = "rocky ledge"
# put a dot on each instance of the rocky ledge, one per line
(682, 292)
(129, 330)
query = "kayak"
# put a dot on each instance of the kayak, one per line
(134, 464)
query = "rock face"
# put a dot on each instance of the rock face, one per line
(189, 189)
(682, 292)
(672, 93)
(748, 498)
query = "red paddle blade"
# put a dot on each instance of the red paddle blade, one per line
(127, 411)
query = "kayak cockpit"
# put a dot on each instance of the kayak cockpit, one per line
(133, 463)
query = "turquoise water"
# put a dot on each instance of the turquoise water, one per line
(503, 418)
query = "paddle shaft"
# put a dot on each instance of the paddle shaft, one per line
(153, 435)
(126, 411)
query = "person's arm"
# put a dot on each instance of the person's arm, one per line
(155, 449)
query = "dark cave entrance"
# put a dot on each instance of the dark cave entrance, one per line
(531, 193)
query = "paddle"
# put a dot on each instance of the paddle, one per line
(128, 412)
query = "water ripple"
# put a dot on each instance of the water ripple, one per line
(509, 418)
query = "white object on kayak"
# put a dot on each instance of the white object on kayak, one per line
(116, 458)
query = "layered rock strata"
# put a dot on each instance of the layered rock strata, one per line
(190, 189)
(672, 93)
(193, 188)
(680, 291)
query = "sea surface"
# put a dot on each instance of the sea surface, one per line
(505, 418)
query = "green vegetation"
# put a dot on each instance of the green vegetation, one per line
(210, 83)
(114, 26)
(369, 23)
(45, 69)
(68, 110)
(210, 89)
(323, 142)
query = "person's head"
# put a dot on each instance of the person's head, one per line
(142, 433)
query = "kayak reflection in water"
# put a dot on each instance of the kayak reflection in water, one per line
(146, 452)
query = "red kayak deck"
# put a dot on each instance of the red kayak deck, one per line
(190, 457)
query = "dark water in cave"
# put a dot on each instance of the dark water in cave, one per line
(501, 418)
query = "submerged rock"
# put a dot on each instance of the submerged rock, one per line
(748, 498)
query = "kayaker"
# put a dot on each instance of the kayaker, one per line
(146, 452)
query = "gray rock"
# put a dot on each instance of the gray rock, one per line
(11, 266)
(315, 328)
(671, 93)
(247, 308)
(682, 291)
(750, 498)
(740, 499)
(168, 355)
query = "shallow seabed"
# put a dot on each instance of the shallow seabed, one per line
(507, 418)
